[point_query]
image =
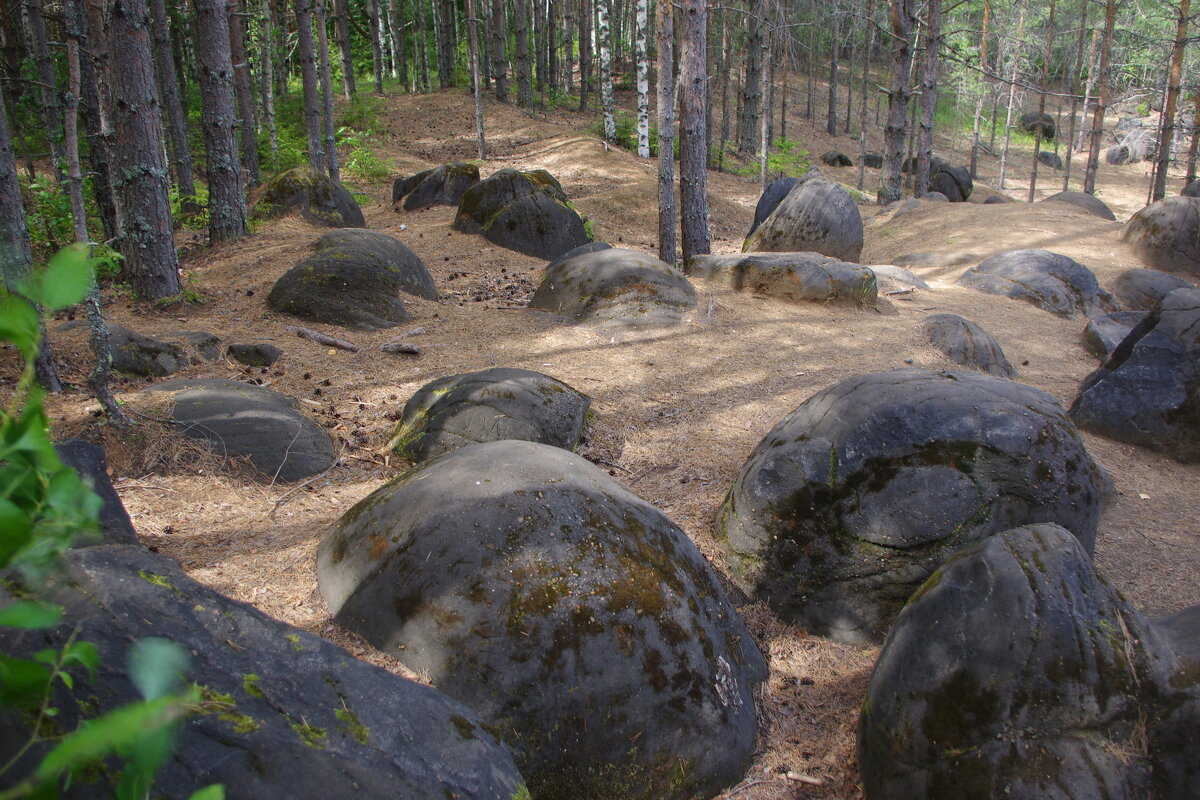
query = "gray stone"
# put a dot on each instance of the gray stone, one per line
(799, 277)
(817, 215)
(615, 286)
(967, 344)
(206, 345)
(321, 199)
(91, 462)
(770, 199)
(1192, 189)
(851, 501)
(997, 199)
(572, 615)
(1148, 391)
(1051, 281)
(283, 713)
(444, 185)
(936, 197)
(873, 160)
(1088, 202)
(497, 403)
(1117, 155)
(238, 419)
(1103, 334)
(144, 356)
(836, 158)
(1017, 671)
(1145, 288)
(411, 273)
(961, 177)
(1032, 120)
(890, 277)
(523, 211)
(259, 354)
(1050, 159)
(1166, 234)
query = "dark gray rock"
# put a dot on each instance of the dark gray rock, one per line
(144, 356)
(1103, 334)
(91, 462)
(937, 197)
(572, 615)
(1145, 288)
(836, 158)
(851, 501)
(1192, 189)
(238, 419)
(799, 277)
(259, 354)
(583, 249)
(873, 160)
(1148, 391)
(615, 286)
(770, 199)
(961, 178)
(1050, 159)
(411, 273)
(1166, 234)
(818, 216)
(1016, 671)
(1032, 120)
(1088, 202)
(206, 345)
(965, 343)
(283, 713)
(441, 186)
(523, 211)
(497, 403)
(1117, 155)
(321, 199)
(998, 198)
(1051, 281)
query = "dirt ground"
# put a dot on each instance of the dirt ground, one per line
(679, 410)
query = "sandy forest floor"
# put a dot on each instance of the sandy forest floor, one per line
(679, 410)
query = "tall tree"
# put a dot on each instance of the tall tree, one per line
(1167, 138)
(51, 104)
(226, 202)
(862, 114)
(1073, 90)
(585, 52)
(94, 112)
(929, 90)
(309, 83)
(903, 15)
(246, 123)
(168, 85)
(374, 14)
(834, 46)
(331, 154)
(693, 166)
(400, 30)
(150, 265)
(521, 28)
(267, 59)
(476, 85)
(1093, 162)
(341, 32)
(499, 37)
(643, 79)
(604, 37)
(751, 95)
(1012, 94)
(1045, 78)
(666, 132)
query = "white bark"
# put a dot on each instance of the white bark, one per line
(606, 86)
(643, 81)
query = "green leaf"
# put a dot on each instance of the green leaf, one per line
(66, 279)
(22, 682)
(84, 654)
(30, 614)
(15, 530)
(214, 792)
(19, 325)
(156, 666)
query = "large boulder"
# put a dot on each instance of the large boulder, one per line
(1117, 155)
(353, 279)
(523, 211)
(238, 419)
(770, 199)
(836, 158)
(1051, 281)
(967, 344)
(143, 356)
(496, 403)
(91, 463)
(1192, 189)
(1145, 288)
(1019, 672)
(440, 186)
(1088, 202)
(572, 615)
(817, 215)
(1032, 120)
(283, 713)
(799, 277)
(954, 182)
(1103, 334)
(1050, 159)
(892, 278)
(615, 286)
(1148, 391)
(321, 199)
(851, 501)
(1166, 234)
(873, 160)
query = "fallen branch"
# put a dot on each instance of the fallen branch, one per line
(894, 292)
(400, 347)
(320, 338)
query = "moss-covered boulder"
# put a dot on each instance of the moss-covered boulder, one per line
(1088, 202)
(439, 186)
(1017, 671)
(615, 286)
(497, 403)
(1148, 391)
(321, 199)
(282, 713)
(1143, 289)
(817, 215)
(572, 615)
(523, 211)
(798, 277)
(851, 501)
(353, 279)
(1051, 281)
(1166, 234)
(967, 344)
(143, 356)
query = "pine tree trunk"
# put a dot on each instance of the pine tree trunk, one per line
(862, 113)
(693, 176)
(524, 79)
(585, 53)
(1012, 91)
(499, 47)
(752, 87)
(422, 48)
(151, 265)
(765, 118)
(331, 154)
(726, 69)
(1194, 145)
(226, 203)
(1072, 89)
(266, 56)
(1088, 96)
(1110, 17)
(569, 8)
(50, 98)
(176, 121)
(400, 26)
(247, 125)
(1045, 77)
(476, 87)
(341, 30)
(983, 63)
(539, 46)
(666, 132)
(929, 88)
(831, 112)
(306, 50)
(552, 21)
(1166, 139)
(643, 79)
(95, 122)
(895, 132)
(374, 13)
(604, 35)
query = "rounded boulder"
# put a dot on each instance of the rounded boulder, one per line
(1145, 288)
(1031, 121)
(1088, 202)
(1103, 334)
(321, 199)
(818, 216)
(1166, 234)
(444, 185)
(523, 211)
(851, 501)
(1051, 281)
(798, 277)
(967, 344)
(575, 617)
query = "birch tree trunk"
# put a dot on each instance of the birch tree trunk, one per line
(308, 79)
(666, 132)
(374, 13)
(764, 137)
(331, 154)
(226, 202)
(246, 123)
(899, 93)
(606, 86)
(643, 80)
(693, 176)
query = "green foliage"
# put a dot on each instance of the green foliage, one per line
(105, 261)
(361, 162)
(44, 507)
(47, 215)
(788, 160)
(362, 114)
(194, 220)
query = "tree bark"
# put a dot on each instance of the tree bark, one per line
(1194, 145)
(752, 85)
(400, 30)
(524, 79)
(1045, 77)
(267, 58)
(862, 112)
(1166, 139)
(929, 88)
(226, 203)
(894, 133)
(331, 154)
(764, 138)
(341, 30)
(476, 87)
(168, 85)
(1012, 91)
(585, 52)
(499, 46)
(150, 265)
(93, 110)
(604, 35)
(643, 79)
(1110, 18)
(693, 176)
(50, 97)
(246, 123)
(422, 47)
(983, 65)
(1072, 89)
(834, 43)
(666, 132)
(309, 82)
